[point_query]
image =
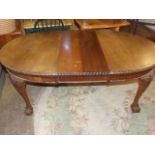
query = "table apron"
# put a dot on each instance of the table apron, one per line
(60, 79)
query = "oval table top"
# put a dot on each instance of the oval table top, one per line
(77, 51)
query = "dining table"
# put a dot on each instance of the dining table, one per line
(79, 57)
(85, 24)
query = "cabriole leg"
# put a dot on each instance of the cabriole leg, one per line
(20, 86)
(143, 83)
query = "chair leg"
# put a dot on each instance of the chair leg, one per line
(2, 80)
(135, 26)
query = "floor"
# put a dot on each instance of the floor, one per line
(12, 119)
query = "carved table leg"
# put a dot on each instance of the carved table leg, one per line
(20, 86)
(143, 83)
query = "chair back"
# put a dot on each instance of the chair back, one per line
(48, 24)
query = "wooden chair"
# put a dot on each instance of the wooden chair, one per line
(48, 24)
(2, 79)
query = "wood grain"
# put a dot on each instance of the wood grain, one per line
(51, 53)
(125, 52)
(93, 59)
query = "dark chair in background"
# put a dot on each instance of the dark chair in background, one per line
(48, 25)
(133, 25)
(2, 80)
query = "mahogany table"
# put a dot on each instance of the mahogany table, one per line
(60, 57)
(85, 24)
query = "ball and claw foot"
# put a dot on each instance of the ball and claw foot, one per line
(135, 108)
(28, 111)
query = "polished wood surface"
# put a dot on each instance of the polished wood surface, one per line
(101, 23)
(57, 52)
(87, 56)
